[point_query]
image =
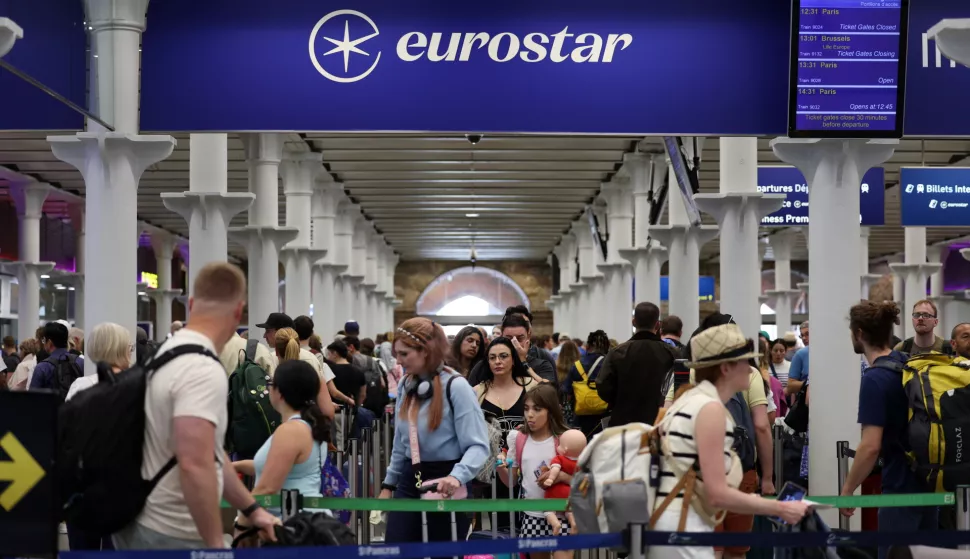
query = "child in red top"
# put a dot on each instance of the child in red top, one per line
(571, 445)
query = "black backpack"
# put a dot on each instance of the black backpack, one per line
(377, 396)
(305, 529)
(66, 371)
(101, 440)
(744, 436)
(797, 417)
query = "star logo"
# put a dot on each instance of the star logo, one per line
(345, 46)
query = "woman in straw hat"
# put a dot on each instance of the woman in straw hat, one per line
(694, 433)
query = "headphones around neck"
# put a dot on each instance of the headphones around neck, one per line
(422, 388)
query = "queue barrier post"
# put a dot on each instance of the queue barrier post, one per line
(365, 436)
(963, 511)
(291, 503)
(636, 541)
(842, 452)
(377, 461)
(778, 448)
(352, 469)
(388, 413)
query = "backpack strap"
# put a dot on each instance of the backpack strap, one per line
(162, 359)
(596, 363)
(251, 346)
(579, 368)
(948, 349)
(520, 440)
(451, 404)
(907, 345)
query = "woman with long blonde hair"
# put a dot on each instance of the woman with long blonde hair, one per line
(568, 355)
(287, 344)
(438, 410)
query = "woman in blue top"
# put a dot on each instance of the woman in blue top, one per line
(292, 458)
(451, 433)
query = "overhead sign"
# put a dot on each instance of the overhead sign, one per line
(794, 212)
(53, 51)
(935, 84)
(934, 196)
(706, 288)
(501, 66)
(150, 279)
(28, 508)
(848, 68)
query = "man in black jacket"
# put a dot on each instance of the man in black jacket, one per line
(633, 374)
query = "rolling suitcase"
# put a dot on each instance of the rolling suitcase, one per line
(495, 533)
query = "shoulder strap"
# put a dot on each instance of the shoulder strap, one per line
(451, 404)
(579, 368)
(948, 349)
(520, 440)
(251, 346)
(596, 363)
(908, 345)
(165, 358)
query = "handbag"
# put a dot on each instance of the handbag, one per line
(333, 484)
(426, 488)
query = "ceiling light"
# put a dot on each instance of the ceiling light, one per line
(471, 215)
(142, 293)
(70, 289)
(45, 276)
(60, 287)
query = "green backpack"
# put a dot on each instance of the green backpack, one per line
(252, 418)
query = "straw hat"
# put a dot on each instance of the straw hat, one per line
(790, 338)
(720, 344)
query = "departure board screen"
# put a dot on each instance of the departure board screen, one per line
(848, 68)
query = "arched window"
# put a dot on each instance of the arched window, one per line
(470, 292)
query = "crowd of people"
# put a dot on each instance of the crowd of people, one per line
(478, 415)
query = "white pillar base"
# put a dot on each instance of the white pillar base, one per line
(10, 32)
(323, 275)
(739, 215)
(263, 246)
(683, 244)
(952, 37)
(916, 276)
(28, 289)
(208, 215)
(111, 163)
(833, 170)
(867, 281)
(163, 310)
(647, 263)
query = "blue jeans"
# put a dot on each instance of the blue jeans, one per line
(907, 519)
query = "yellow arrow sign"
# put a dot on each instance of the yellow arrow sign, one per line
(22, 471)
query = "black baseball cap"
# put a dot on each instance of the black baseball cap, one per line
(276, 321)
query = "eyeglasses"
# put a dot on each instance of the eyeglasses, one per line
(499, 356)
(918, 315)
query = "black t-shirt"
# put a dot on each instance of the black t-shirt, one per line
(508, 419)
(348, 379)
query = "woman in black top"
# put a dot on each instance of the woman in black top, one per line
(348, 379)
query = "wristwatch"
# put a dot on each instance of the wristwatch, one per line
(248, 511)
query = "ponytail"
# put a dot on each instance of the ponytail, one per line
(319, 423)
(292, 352)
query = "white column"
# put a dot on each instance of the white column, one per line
(380, 292)
(371, 283)
(5, 307)
(564, 253)
(263, 237)
(206, 206)
(76, 212)
(358, 270)
(739, 208)
(619, 272)
(867, 279)
(781, 245)
(324, 210)
(833, 170)
(935, 255)
(393, 301)
(347, 215)
(648, 255)
(683, 243)
(163, 243)
(28, 198)
(590, 309)
(299, 171)
(915, 272)
(112, 163)
(899, 284)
